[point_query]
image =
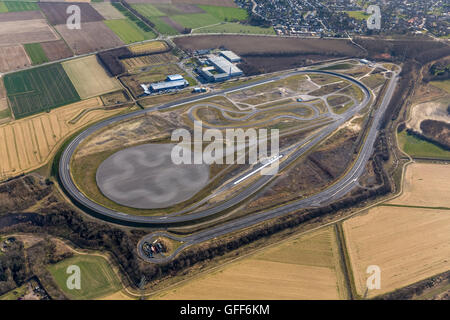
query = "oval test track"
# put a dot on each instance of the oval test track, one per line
(336, 191)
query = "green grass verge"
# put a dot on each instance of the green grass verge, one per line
(444, 85)
(234, 27)
(226, 13)
(3, 7)
(97, 277)
(15, 293)
(15, 6)
(416, 147)
(6, 113)
(39, 89)
(358, 15)
(36, 53)
(127, 31)
(195, 20)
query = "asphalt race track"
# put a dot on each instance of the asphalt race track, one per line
(145, 177)
(334, 192)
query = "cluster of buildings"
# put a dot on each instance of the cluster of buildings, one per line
(338, 18)
(218, 67)
(172, 82)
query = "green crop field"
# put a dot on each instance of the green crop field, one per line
(127, 31)
(154, 15)
(226, 13)
(234, 27)
(148, 10)
(134, 21)
(39, 89)
(195, 20)
(13, 6)
(97, 277)
(3, 7)
(417, 147)
(36, 53)
(162, 26)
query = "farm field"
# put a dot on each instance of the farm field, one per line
(28, 143)
(408, 244)
(225, 13)
(56, 50)
(98, 279)
(36, 53)
(165, 26)
(425, 185)
(25, 31)
(225, 3)
(89, 77)
(416, 147)
(195, 20)
(17, 6)
(127, 31)
(242, 44)
(233, 27)
(93, 36)
(149, 60)
(20, 16)
(5, 112)
(149, 47)
(39, 89)
(107, 11)
(13, 58)
(303, 267)
(56, 13)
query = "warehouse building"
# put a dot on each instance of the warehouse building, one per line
(224, 66)
(219, 69)
(230, 56)
(173, 82)
(168, 85)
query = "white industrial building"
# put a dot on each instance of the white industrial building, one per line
(230, 56)
(173, 82)
(224, 66)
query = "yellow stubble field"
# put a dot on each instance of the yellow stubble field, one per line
(28, 143)
(304, 267)
(89, 78)
(407, 244)
(426, 185)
